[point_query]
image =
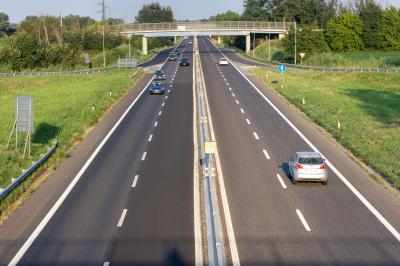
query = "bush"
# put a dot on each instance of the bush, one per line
(344, 33)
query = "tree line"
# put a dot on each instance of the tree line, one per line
(50, 41)
(326, 25)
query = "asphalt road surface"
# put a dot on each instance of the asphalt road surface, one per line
(133, 204)
(270, 216)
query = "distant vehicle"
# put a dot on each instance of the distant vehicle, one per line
(190, 42)
(160, 75)
(223, 61)
(308, 166)
(178, 52)
(157, 88)
(172, 58)
(184, 61)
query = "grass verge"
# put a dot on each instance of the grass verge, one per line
(367, 105)
(63, 108)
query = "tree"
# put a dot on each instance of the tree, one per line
(344, 33)
(389, 30)
(4, 23)
(227, 16)
(309, 40)
(256, 10)
(370, 13)
(154, 13)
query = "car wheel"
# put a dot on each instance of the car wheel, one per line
(324, 183)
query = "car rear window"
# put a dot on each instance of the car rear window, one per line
(311, 160)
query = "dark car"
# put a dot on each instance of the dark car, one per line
(178, 52)
(184, 61)
(160, 75)
(157, 88)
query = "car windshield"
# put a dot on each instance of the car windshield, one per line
(311, 160)
(159, 72)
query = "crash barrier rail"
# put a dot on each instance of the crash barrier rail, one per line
(215, 240)
(250, 26)
(126, 63)
(317, 69)
(26, 173)
(53, 73)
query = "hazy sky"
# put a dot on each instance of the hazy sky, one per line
(126, 9)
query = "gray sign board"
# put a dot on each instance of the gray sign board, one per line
(24, 113)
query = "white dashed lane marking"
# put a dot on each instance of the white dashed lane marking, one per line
(241, 110)
(122, 218)
(281, 181)
(266, 154)
(248, 121)
(144, 156)
(255, 135)
(303, 220)
(135, 181)
(150, 138)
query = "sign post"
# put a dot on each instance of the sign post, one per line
(282, 69)
(301, 57)
(23, 122)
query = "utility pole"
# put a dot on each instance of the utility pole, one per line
(103, 18)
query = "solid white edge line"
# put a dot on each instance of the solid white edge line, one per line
(68, 190)
(255, 136)
(248, 121)
(303, 220)
(150, 138)
(266, 154)
(135, 181)
(224, 197)
(144, 156)
(196, 187)
(281, 180)
(350, 186)
(122, 218)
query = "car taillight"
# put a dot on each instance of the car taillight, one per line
(298, 166)
(323, 167)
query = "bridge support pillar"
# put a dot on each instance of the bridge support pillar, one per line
(281, 36)
(248, 43)
(219, 40)
(144, 45)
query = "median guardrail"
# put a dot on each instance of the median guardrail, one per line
(26, 173)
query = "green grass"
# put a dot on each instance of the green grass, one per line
(262, 51)
(360, 59)
(62, 108)
(367, 106)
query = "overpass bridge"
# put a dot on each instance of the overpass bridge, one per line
(201, 28)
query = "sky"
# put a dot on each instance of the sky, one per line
(125, 9)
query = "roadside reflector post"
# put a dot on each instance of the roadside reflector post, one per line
(93, 107)
(304, 101)
(338, 125)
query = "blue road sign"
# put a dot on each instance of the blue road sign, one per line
(282, 68)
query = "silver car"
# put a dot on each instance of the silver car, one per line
(308, 166)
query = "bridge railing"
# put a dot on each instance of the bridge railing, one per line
(201, 26)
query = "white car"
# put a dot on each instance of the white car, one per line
(223, 61)
(308, 166)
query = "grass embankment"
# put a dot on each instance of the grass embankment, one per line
(367, 106)
(63, 111)
(360, 59)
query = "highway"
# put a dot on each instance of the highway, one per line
(275, 222)
(127, 191)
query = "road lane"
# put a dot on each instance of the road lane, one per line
(343, 230)
(79, 233)
(158, 227)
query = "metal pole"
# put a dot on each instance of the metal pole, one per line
(129, 48)
(104, 49)
(295, 43)
(269, 45)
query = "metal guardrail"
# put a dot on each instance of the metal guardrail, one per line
(257, 26)
(53, 73)
(215, 240)
(319, 69)
(129, 63)
(26, 173)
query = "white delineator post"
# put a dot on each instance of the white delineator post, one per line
(144, 45)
